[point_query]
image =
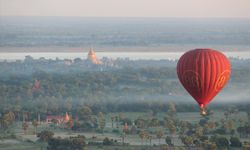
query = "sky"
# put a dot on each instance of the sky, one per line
(127, 8)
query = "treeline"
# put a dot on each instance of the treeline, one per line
(126, 88)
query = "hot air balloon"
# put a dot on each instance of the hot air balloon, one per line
(203, 73)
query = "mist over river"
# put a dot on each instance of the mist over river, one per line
(114, 55)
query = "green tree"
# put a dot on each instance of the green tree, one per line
(228, 125)
(168, 140)
(54, 122)
(154, 122)
(198, 131)
(84, 113)
(220, 141)
(187, 140)
(209, 145)
(140, 123)
(7, 119)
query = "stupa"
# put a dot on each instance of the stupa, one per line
(92, 57)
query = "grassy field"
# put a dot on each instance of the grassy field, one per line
(19, 146)
(192, 117)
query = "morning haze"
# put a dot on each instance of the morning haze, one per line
(127, 8)
(102, 74)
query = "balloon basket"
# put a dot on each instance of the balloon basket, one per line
(203, 112)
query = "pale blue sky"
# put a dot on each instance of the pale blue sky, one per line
(126, 8)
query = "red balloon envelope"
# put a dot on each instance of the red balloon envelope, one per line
(203, 73)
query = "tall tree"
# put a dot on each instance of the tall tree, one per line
(112, 121)
(35, 124)
(84, 113)
(7, 119)
(171, 109)
(101, 121)
(159, 134)
(142, 135)
(25, 126)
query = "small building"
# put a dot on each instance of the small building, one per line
(58, 119)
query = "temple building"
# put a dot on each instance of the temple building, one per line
(92, 57)
(58, 119)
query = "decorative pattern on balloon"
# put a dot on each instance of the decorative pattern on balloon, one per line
(222, 80)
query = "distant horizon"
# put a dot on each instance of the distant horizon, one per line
(132, 17)
(57, 33)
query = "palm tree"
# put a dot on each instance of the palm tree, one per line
(150, 139)
(183, 127)
(25, 127)
(4, 123)
(123, 135)
(35, 124)
(228, 125)
(117, 121)
(159, 134)
(101, 121)
(112, 120)
(142, 135)
(171, 109)
(17, 110)
(198, 131)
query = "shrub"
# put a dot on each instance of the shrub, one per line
(220, 131)
(107, 141)
(73, 143)
(45, 135)
(220, 141)
(235, 142)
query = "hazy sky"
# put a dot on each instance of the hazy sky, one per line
(126, 8)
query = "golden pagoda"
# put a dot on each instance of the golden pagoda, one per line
(92, 57)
